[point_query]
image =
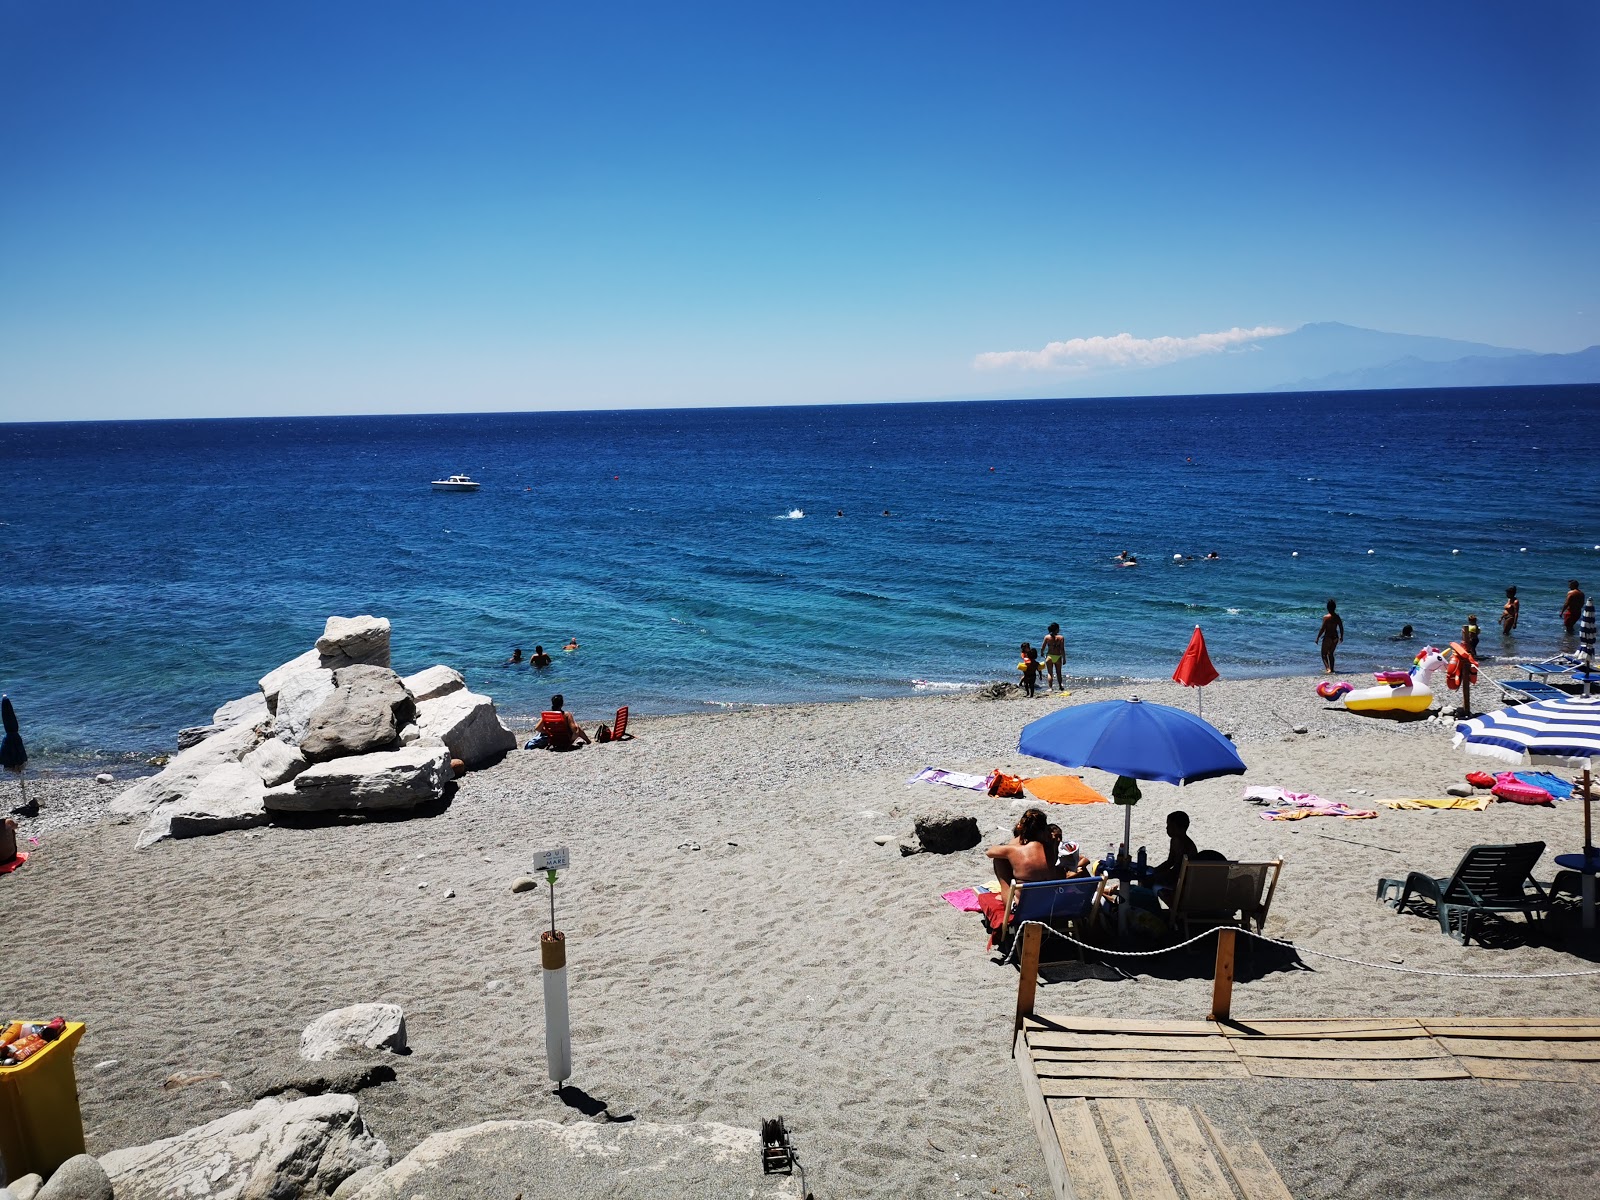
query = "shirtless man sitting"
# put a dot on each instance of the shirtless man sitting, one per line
(1030, 855)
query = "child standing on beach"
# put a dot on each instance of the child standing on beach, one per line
(1029, 666)
(1470, 633)
(1330, 635)
(1055, 655)
(1508, 614)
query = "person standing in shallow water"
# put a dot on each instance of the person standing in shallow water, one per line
(1509, 614)
(1330, 635)
(1054, 648)
(1572, 609)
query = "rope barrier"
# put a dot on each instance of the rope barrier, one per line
(1396, 967)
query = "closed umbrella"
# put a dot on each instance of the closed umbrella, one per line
(1132, 738)
(1551, 733)
(1195, 669)
(12, 752)
(1586, 643)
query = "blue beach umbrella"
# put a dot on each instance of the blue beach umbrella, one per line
(1135, 739)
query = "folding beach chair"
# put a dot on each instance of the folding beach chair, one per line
(1524, 691)
(1066, 905)
(619, 727)
(1489, 879)
(1210, 894)
(1560, 664)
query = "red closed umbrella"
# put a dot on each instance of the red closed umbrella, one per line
(1194, 668)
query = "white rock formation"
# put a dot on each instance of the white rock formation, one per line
(273, 680)
(246, 710)
(346, 641)
(178, 778)
(230, 797)
(298, 697)
(276, 762)
(354, 1027)
(389, 779)
(435, 681)
(277, 1149)
(468, 724)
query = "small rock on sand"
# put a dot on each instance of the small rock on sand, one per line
(524, 884)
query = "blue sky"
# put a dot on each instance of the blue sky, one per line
(238, 209)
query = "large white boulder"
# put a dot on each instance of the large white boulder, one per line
(468, 724)
(179, 777)
(435, 681)
(632, 1160)
(246, 710)
(389, 779)
(346, 641)
(368, 708)
(298, 697)
(354, 1027)
(230, 797)
(276, 1150)
(272, 682)
(276, 762)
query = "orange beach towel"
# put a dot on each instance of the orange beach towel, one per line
(1063, 789)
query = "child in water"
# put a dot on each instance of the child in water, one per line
(1470, 634)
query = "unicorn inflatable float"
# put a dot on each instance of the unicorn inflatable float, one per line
(1407, 691)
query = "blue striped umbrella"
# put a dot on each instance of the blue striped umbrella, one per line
(1586, 642)
(1551, 733)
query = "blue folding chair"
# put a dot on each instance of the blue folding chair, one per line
(1066, 905)
(1523, 692)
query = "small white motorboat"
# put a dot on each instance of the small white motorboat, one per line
(456, 483)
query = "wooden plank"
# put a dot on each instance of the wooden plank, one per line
(1117, 1025)
(1541, 1070)
(1344, 1068)
(1226, 1054)
(1055, 1164)
(1572, 1033)
(1175, 1069)
(1087, 1164)
(1252, 1169)
(1142, 1169)
(1518, 1022)
(1523, 1048)
(1417, 1047)
(1364, 1027)
(1192, 1160)
(1096, 1042)
(1054, 1089)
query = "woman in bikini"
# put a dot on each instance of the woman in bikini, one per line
(1054, 648)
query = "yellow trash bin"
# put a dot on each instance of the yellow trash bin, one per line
(40, 1126)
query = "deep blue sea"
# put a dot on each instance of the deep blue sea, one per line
(150, 571)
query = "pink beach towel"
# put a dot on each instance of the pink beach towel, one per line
(965, 899)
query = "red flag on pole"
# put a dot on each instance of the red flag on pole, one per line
(1194, 668)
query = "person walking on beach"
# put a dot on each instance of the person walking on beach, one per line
(1330, 635)
(1029, 666)
(1508, 614)
(1055, 655)
(1573, 608)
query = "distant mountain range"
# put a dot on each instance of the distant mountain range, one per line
(1329, 356)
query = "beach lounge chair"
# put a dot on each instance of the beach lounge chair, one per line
(1067, 905)
(1490, 879)
(1210, 893)
(1523, 692)
(556, 727)
(619, 727)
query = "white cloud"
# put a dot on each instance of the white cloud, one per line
(1123, 350)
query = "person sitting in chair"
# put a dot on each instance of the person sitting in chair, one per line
(1180, 848)
(1028, 857)
(1069, 860)
(558, 726)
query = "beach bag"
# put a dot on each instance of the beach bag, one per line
(603, 734)
(1004, 785)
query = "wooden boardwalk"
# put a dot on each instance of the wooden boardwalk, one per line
(1099, 1089)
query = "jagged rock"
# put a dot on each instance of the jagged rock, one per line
(411, 735)
(355, 1027)
(272, 682)
(179, 777)
(468, 724)
(81, 1177)
(621, 1160)
(276, 762)
(367, 710)
(298, 697)
(231, 797)
(435, 681)
(195, 734)
(246, 710)
(389, 779)
(275, 1150)
(946, 832)
(347, 641)
(997, 691)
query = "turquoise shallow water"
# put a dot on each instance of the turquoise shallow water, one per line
(153, 570)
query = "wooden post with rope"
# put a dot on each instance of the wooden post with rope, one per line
(1028, 981)
(1222, 983)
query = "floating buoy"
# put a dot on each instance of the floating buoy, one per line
(1294, 554)
(1177, 558)
(1524, 550)
(1455, 552)
(1371, 551)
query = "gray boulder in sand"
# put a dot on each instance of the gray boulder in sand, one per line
(272, 682)
(389, 779)
(275, 1150)
(81, 1177)
(368, 708)
(298, 697)
(231, 797)
(947, 832)
(435, 681)
(179, 777)
(356, 1027)
(246, 710)
(346, 641)
(633, 1160)
(276, 762)
(468, 724)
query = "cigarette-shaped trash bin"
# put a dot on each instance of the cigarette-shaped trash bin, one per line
(40, 1126)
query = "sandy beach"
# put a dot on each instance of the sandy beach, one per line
(740, 947)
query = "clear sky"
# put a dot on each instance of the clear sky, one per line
(213, 208)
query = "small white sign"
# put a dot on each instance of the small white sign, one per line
(558, 859)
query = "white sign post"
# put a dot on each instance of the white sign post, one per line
(553, 957)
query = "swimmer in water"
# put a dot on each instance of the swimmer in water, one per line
(540, 659)
(516, 657)
(1405, 635)
(572, 644)
(1212, 557)
(1509, 614)
(840, 513)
